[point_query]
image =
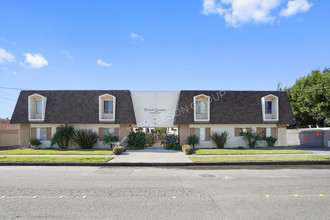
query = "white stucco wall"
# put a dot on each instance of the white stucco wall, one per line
(233, 141)
(94, 127)
(155, 109)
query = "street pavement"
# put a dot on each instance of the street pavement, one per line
(163, 193)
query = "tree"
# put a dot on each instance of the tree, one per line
(310, 98)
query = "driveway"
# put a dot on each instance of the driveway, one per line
(151, 156)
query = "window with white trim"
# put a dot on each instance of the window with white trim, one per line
(107, 131)
(36, 107)
(107, 107)
(201, 108)
(270, 109)
(202, 134)
(43, 134)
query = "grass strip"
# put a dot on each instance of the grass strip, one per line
(250, 151)
(259, 158)
(57, 159)
(29, 151)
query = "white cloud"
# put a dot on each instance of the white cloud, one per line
(101, 63)
(136, 36)
(238, 12)
(296, 6)
(35, 60)
(6, 56)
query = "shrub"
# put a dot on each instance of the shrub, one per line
(220, 139)
(151, 139)
(171, 141)
(110, 139)
(251, 137)
(85, 138)
(193, 139)
(134, 148)
(35, 142)
(138, 139)
(177, 147)
(271, 141)
(187, 149)
(62, 136)
(117, 150)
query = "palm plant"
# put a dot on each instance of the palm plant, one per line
(85, 138)
(35, 143)
(62, 136)
(251, 137)
(110, 139)
(271, 141)
(192, 140)
(220, 139)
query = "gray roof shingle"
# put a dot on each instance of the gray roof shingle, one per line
(76, 107)
(234, 107)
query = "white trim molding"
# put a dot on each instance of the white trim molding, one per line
(274, 116)
(31, 101)
(107, 97)
(208, 100)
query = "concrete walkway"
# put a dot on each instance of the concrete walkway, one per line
(151, 156)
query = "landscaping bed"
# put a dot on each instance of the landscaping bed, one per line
(29, 151)
(57, 159)
(260, 158)
(249, 151)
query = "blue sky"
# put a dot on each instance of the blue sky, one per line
(167, 45)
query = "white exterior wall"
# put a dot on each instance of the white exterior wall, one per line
(94, 127)
(234, 142)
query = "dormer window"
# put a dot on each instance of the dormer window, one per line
(107, 107)
(269, 106)
(37, 107)
(202, 108)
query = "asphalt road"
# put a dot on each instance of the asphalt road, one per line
(160, 193)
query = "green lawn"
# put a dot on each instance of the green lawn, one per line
(260, 158)
(249, 151)
(29, 151)
(57, 159)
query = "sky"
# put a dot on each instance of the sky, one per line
(159, 45)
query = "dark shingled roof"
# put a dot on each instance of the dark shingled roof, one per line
(235, 107)
(76, 107)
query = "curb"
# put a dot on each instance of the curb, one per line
(277, 163)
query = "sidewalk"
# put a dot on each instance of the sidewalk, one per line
(152, 156)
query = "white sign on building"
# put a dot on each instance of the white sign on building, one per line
(155, 109)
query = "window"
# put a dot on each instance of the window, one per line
(240, 131)
(201, 107)
(202, 134)
(107, 131)
(38, 107)
(43, 134)
(261, 132)
(268, 107)
(108, 107)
